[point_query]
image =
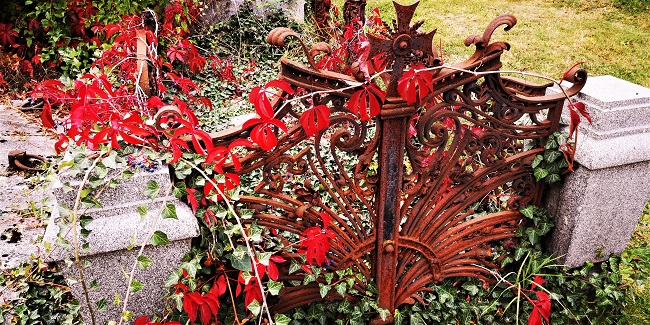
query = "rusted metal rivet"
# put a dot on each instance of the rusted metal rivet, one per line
(389, 246)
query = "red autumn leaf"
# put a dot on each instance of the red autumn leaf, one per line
(566, 74)
(155, 102)
(366, 102)
(196, 135)
(263, 134)
(573, 122)
(206, 102)
(272, 269)
(220, 155)
(538, 280)
(176, 144)
(33, 24)
(190, 304)
(580, 106)
(7, 35)
(575, 110)
(415, 84)
(184, 83)
(259, 97)
(541, 309)
(46, 116)
(568, 150)
(191, 198)
(176, 52)
(306, 269)
(142, 320)
(206, 313)
(315, 241)
(62, 144)
(26, 67)
(315, 119)
(230, 181)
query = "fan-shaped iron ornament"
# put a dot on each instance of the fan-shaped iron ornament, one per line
(407, 190)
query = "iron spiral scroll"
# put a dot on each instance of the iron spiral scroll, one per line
(407, 190)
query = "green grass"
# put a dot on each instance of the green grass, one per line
(636, 270)
(550, 36)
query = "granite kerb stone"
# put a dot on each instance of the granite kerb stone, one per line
(130, 189)
(599, 204)
(120, 229)
(117, 232)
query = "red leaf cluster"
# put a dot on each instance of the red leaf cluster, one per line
(7, 35)
(207, 303)
(541, 306)
(366, 102)
(315, 241)
(315, 119)
(263, 132)
(575, 110)
(415, 84)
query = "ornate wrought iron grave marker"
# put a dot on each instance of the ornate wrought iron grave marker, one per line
(410, 192)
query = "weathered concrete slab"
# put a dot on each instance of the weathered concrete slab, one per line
(18, 192)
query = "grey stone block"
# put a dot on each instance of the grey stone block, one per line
(117, 232)
(596, 211)
(109, 270)
(599, 205)
(130, 190)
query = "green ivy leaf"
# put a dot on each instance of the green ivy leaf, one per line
(274, 287)
(84, 220)
(254, 307)
(533, 237)
(142, 210)
(173, 278)
(294, 267)
(191, 267)
(553, 178)
(169, 212)
(152, 189)
(180, 190)
(242, 263)
(324, 289)
(551, 155)
(102, 305)
(472, 288)
(383, 313)
(281, 319)
(136, 286)
(341, 288)
(159, 238)
(551, 144)
(540, 173)
(416, 319)
(528, 211)
(117, 300)
(144, 262)
(538, 159)
(329, 277)
(109, 161)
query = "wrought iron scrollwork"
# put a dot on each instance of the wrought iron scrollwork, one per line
(407, 191)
